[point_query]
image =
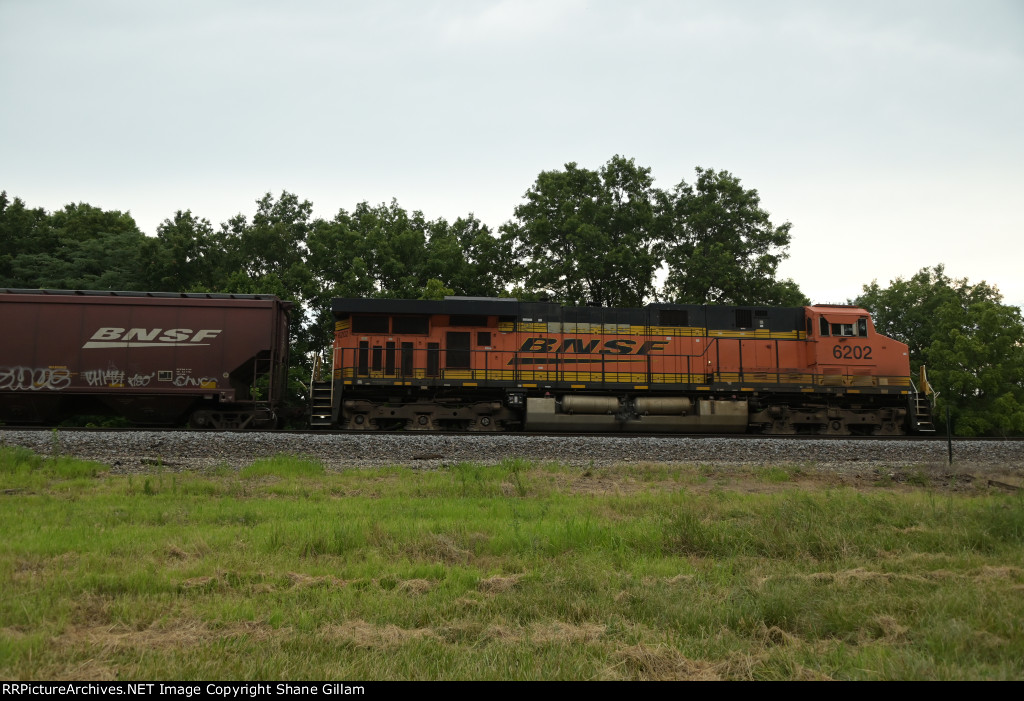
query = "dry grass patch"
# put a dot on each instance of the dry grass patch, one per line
(91, 609)
(884, 629)
(300, 581)
(440, 548)
(415, 586)
(773, 636)
(1004, 572)
(501, 634)
(204, 582)
(173, 552)
(498, 583)
(661, 663)
(181, 635)
(860, 574)
(561, 633)
(367, 635)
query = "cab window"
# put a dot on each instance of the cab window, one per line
(842, 329)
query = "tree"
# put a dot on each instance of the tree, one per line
(971, 343)
(78, 247)
(374, 251)
(274, 243)
(185, 254)
(722, 247)
(467, 258)
(268, 256)
(23, 232)
(588, 237)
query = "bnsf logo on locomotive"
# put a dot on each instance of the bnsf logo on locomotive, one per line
(618, 346)
(113, 337)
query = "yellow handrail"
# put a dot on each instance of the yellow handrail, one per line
(926, 386)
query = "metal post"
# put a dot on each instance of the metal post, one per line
(949, 436)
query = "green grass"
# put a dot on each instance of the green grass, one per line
(512, 571)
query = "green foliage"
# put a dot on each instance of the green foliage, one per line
(78, 247)
(589, 237)
(23, 232)
(721, 246)
(466, 257)
(187, 255)
(598, 237)
(971, 343)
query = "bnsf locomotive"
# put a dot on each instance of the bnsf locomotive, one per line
(484, 364)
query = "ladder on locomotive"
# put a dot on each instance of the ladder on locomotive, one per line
(321, 396)
(921, 404)
(922, 408)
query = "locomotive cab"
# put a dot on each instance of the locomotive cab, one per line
(845, 350)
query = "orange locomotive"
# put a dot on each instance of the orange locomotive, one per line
(489, 364)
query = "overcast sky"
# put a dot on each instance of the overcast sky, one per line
(890, 134)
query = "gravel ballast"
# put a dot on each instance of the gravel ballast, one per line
(142, 450)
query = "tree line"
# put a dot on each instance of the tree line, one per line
(604, 237)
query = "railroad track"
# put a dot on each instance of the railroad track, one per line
(515, 434)
(182, 449)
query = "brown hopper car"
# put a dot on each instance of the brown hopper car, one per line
(212, 360)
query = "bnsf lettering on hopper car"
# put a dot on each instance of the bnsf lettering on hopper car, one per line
(114, 337)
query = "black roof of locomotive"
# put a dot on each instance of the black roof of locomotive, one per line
(719, 316)
(448, 305)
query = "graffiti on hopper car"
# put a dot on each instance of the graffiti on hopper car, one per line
(139, 380)
(20, 377)
(112, 377)
(190, 381)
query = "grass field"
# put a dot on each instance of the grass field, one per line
(283, 571)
